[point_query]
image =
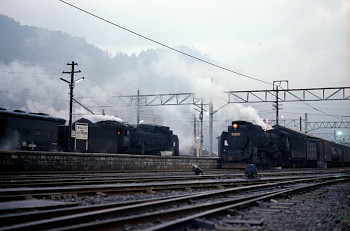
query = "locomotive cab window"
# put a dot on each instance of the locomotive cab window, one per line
(38, 133)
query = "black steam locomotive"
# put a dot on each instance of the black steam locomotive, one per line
(110, 136)
(246, 143)
(36, 131)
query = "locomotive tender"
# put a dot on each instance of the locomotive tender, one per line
(245, 143)
(40, 132)
(28, 131)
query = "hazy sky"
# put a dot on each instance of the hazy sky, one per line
(304, 42)
(269, 40)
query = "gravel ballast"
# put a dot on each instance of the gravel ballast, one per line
(324, 209)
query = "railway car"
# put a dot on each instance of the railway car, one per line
(303, 149)
(339, 154)
(28, 131)
(246, 143)
(306, 150)
(347, 156)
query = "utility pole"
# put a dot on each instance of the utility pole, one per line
(195, 135)
(277, 102)
(306, 123)
(138, 107)
(277, 105)
(211, 115)
(71, 87)
(201, 132)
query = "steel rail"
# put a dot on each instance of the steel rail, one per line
(7, 194)
(12, 219)
(188, 219)
(52, 181)
(67, 182)
(85, 218)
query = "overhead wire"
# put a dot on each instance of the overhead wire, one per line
(325, 113)
(162, 44)
(179, 51)
(173, 49)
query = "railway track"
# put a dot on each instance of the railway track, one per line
(164, 213)
(51, 180)
(51, 191)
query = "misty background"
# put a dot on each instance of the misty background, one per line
(33, 58)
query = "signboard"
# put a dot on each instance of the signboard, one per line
(81, 131)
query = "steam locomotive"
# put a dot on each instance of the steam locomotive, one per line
(111, 136)
(37, 131)
(245, 143)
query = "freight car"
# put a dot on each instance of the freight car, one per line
(28, 131)
(245, 143)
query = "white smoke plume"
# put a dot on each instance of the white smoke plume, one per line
(96, 118)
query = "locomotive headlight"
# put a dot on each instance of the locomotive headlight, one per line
(235, 126)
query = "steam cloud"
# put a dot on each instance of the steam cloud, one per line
(34, 88)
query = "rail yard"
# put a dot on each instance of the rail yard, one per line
(231, 117)
(176, 200)
(261, 180)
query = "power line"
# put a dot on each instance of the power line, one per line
(154, 41)
(162, 44)
(176, 50)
